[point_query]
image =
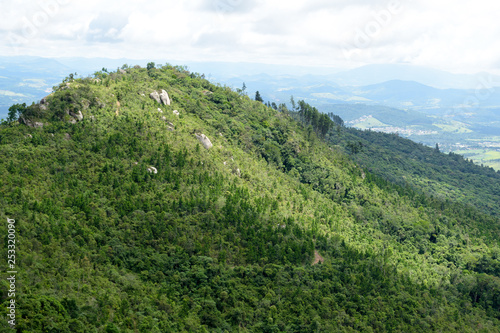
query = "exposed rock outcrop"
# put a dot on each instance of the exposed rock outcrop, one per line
(154, 95)
(78, 115)
(170, 126)
(205, 141)
(165, 99)
(176, 112)
(66, 86)
(160, 97)
(30, 123)
(44, 104)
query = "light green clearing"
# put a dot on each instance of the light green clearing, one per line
(454, 127)
(369, 123)
(487, 157)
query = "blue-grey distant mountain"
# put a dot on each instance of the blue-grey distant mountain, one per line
(27, 79)
(410, 94)
(373, 74)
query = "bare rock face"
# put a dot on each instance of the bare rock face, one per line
(204, 140)
(154, 95)
(165, 99)
(44, 104)
(78, 115)
(30, 123)
(160, 97)
(176, 113)
(153, 170)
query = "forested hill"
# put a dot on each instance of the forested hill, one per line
(426, 170)
(150, 200)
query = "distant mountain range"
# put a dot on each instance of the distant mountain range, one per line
(27, 79)
(373, 74)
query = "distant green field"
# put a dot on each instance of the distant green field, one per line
(370, 122)
(483, 156)
(454, 127)
(495, 139)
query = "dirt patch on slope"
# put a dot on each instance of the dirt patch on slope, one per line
(318, 258)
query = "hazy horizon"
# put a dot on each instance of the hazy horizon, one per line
(454, 37)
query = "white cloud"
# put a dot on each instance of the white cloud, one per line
(450, 35)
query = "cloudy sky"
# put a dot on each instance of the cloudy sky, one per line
(458, 36)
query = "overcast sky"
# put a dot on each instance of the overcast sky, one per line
(458, 36)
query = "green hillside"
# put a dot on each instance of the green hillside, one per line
(425, 170)
(126, 222)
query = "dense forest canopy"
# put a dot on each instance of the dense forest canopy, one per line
(129, 221)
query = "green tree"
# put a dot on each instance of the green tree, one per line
(258, 98)
(292, 101)
(243, 89)
(15, 111)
